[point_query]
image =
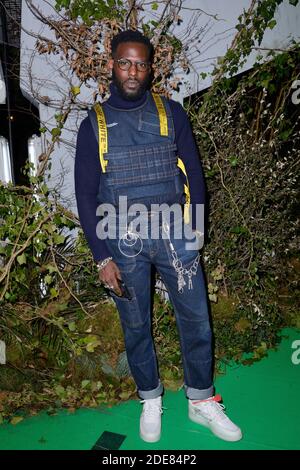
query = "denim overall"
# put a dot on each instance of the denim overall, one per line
(142, 165)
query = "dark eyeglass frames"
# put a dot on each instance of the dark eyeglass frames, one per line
(126, 64)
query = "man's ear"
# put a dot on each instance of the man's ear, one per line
(110, 64)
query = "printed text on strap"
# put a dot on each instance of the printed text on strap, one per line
(102, 129)
(163, 120)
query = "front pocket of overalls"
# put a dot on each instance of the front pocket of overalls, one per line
(129, 310)
(149, 122)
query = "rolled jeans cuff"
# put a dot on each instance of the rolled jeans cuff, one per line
(196, 394)
(148, 394)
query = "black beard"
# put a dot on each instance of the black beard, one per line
(131, 96)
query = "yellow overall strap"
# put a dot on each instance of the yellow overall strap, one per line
(163, 120)
(102, 129)
(186, 214)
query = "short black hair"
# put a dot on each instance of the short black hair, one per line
(131, 36)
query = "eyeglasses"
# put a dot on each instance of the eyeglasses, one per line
(126, 64)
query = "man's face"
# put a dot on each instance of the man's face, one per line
(131, 83)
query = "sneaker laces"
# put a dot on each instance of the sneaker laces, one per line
(212, 407)
(152, 407)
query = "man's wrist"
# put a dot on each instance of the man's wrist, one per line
(104, 262)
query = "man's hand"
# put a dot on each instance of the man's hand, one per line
(109, 275)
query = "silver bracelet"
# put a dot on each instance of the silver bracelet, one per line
(101, 264)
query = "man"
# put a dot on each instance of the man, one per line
(128, 148)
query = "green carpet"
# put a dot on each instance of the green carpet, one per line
(262, 398)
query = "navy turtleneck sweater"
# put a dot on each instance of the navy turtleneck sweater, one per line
(88, 170)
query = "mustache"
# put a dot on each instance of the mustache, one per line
(132, 80)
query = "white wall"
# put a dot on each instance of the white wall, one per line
(49, 77)
(217, 36)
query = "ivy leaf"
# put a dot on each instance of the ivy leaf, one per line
(58, 239)
(213, 298)
(48, 279)
(90, 347)
(44, 188)
(125, 395)
(56, 132)
(213, 288)
(272, 24)
(22, 259)
(75, 90)
(16, 419)
(60, 391)
(72, 326)
(85, 383)
(58, 117)
(53, 293)
(154, 6)
(51, 268)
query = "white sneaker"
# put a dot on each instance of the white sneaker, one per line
(210, 413)
(150, 421)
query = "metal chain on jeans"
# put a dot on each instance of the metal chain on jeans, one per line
(177, 263)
